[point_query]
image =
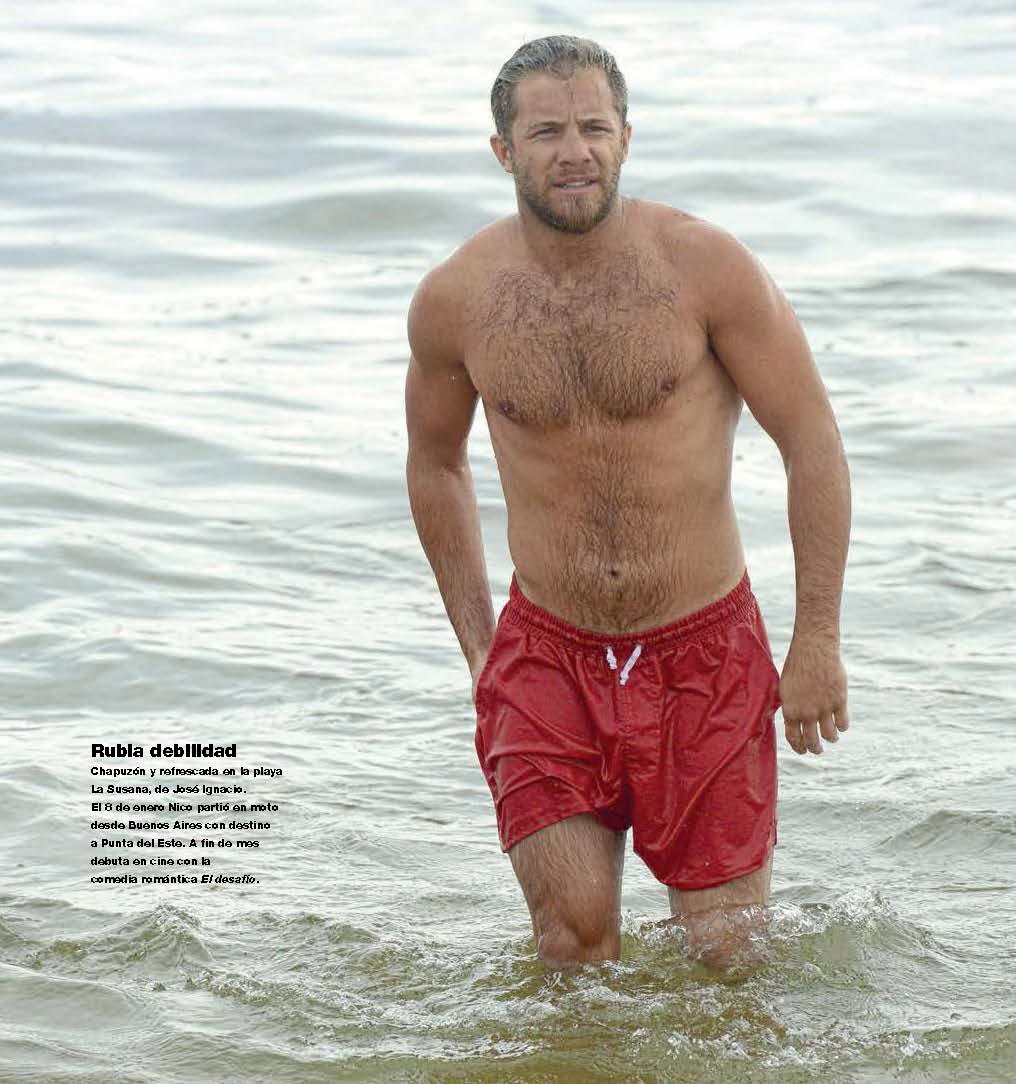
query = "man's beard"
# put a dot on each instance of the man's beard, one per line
(583, 217)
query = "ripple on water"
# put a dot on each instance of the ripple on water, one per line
(958, 832)
(150, 945)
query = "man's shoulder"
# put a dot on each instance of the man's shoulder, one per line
(492, 241)
(716, 269)
(444, 296)
(684, 235)
(448, 284)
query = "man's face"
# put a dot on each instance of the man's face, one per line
(566, 149)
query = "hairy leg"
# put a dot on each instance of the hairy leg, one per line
(724, 923)
(570, 873)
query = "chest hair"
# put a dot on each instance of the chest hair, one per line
(604, 348)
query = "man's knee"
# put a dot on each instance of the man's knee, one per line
(567, 941)
(724, 939)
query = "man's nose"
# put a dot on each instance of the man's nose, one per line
(574, 148)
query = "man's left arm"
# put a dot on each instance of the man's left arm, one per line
(757, 338)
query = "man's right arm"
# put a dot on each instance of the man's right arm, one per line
(440, 404)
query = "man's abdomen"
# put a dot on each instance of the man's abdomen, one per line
(646, 568)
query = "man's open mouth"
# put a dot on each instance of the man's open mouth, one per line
(577, 185)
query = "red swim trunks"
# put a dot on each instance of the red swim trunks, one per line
(668, 731)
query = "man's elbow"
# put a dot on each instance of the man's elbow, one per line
(811, 441)
(425, 464)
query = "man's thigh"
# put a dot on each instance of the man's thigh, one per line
(570, 874)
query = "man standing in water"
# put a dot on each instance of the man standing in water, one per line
(629, 680)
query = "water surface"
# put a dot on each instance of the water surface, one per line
(212, 223)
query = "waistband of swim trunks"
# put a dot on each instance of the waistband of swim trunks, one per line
(730, 608)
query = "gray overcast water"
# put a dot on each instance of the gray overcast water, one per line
(212, 218)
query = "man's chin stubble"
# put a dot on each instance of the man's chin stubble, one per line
(550, 218)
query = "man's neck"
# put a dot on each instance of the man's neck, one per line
(561, 254)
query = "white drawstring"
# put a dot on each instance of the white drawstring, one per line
(626, 669)
(632, 659)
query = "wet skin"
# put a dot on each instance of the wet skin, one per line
(613, 344)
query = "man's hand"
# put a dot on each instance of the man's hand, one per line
(813, 689)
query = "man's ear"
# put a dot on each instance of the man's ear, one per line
(626, 139)
(502, 152)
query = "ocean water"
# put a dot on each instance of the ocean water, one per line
(212, 218)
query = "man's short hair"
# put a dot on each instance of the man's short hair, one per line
(559, 55)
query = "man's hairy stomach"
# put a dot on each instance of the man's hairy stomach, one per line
(623, 561)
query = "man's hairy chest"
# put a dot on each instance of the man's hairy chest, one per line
(613, 346)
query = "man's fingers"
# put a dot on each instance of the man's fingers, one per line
(803, 737)
(794, 737)
(842, 719)
(828, 728)
(807, 737)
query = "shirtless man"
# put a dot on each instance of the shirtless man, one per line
(628, 681)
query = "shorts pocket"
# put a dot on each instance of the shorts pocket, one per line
(762, 639)
(777, 700)
(495, 645)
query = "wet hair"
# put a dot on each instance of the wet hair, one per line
(558, 55)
